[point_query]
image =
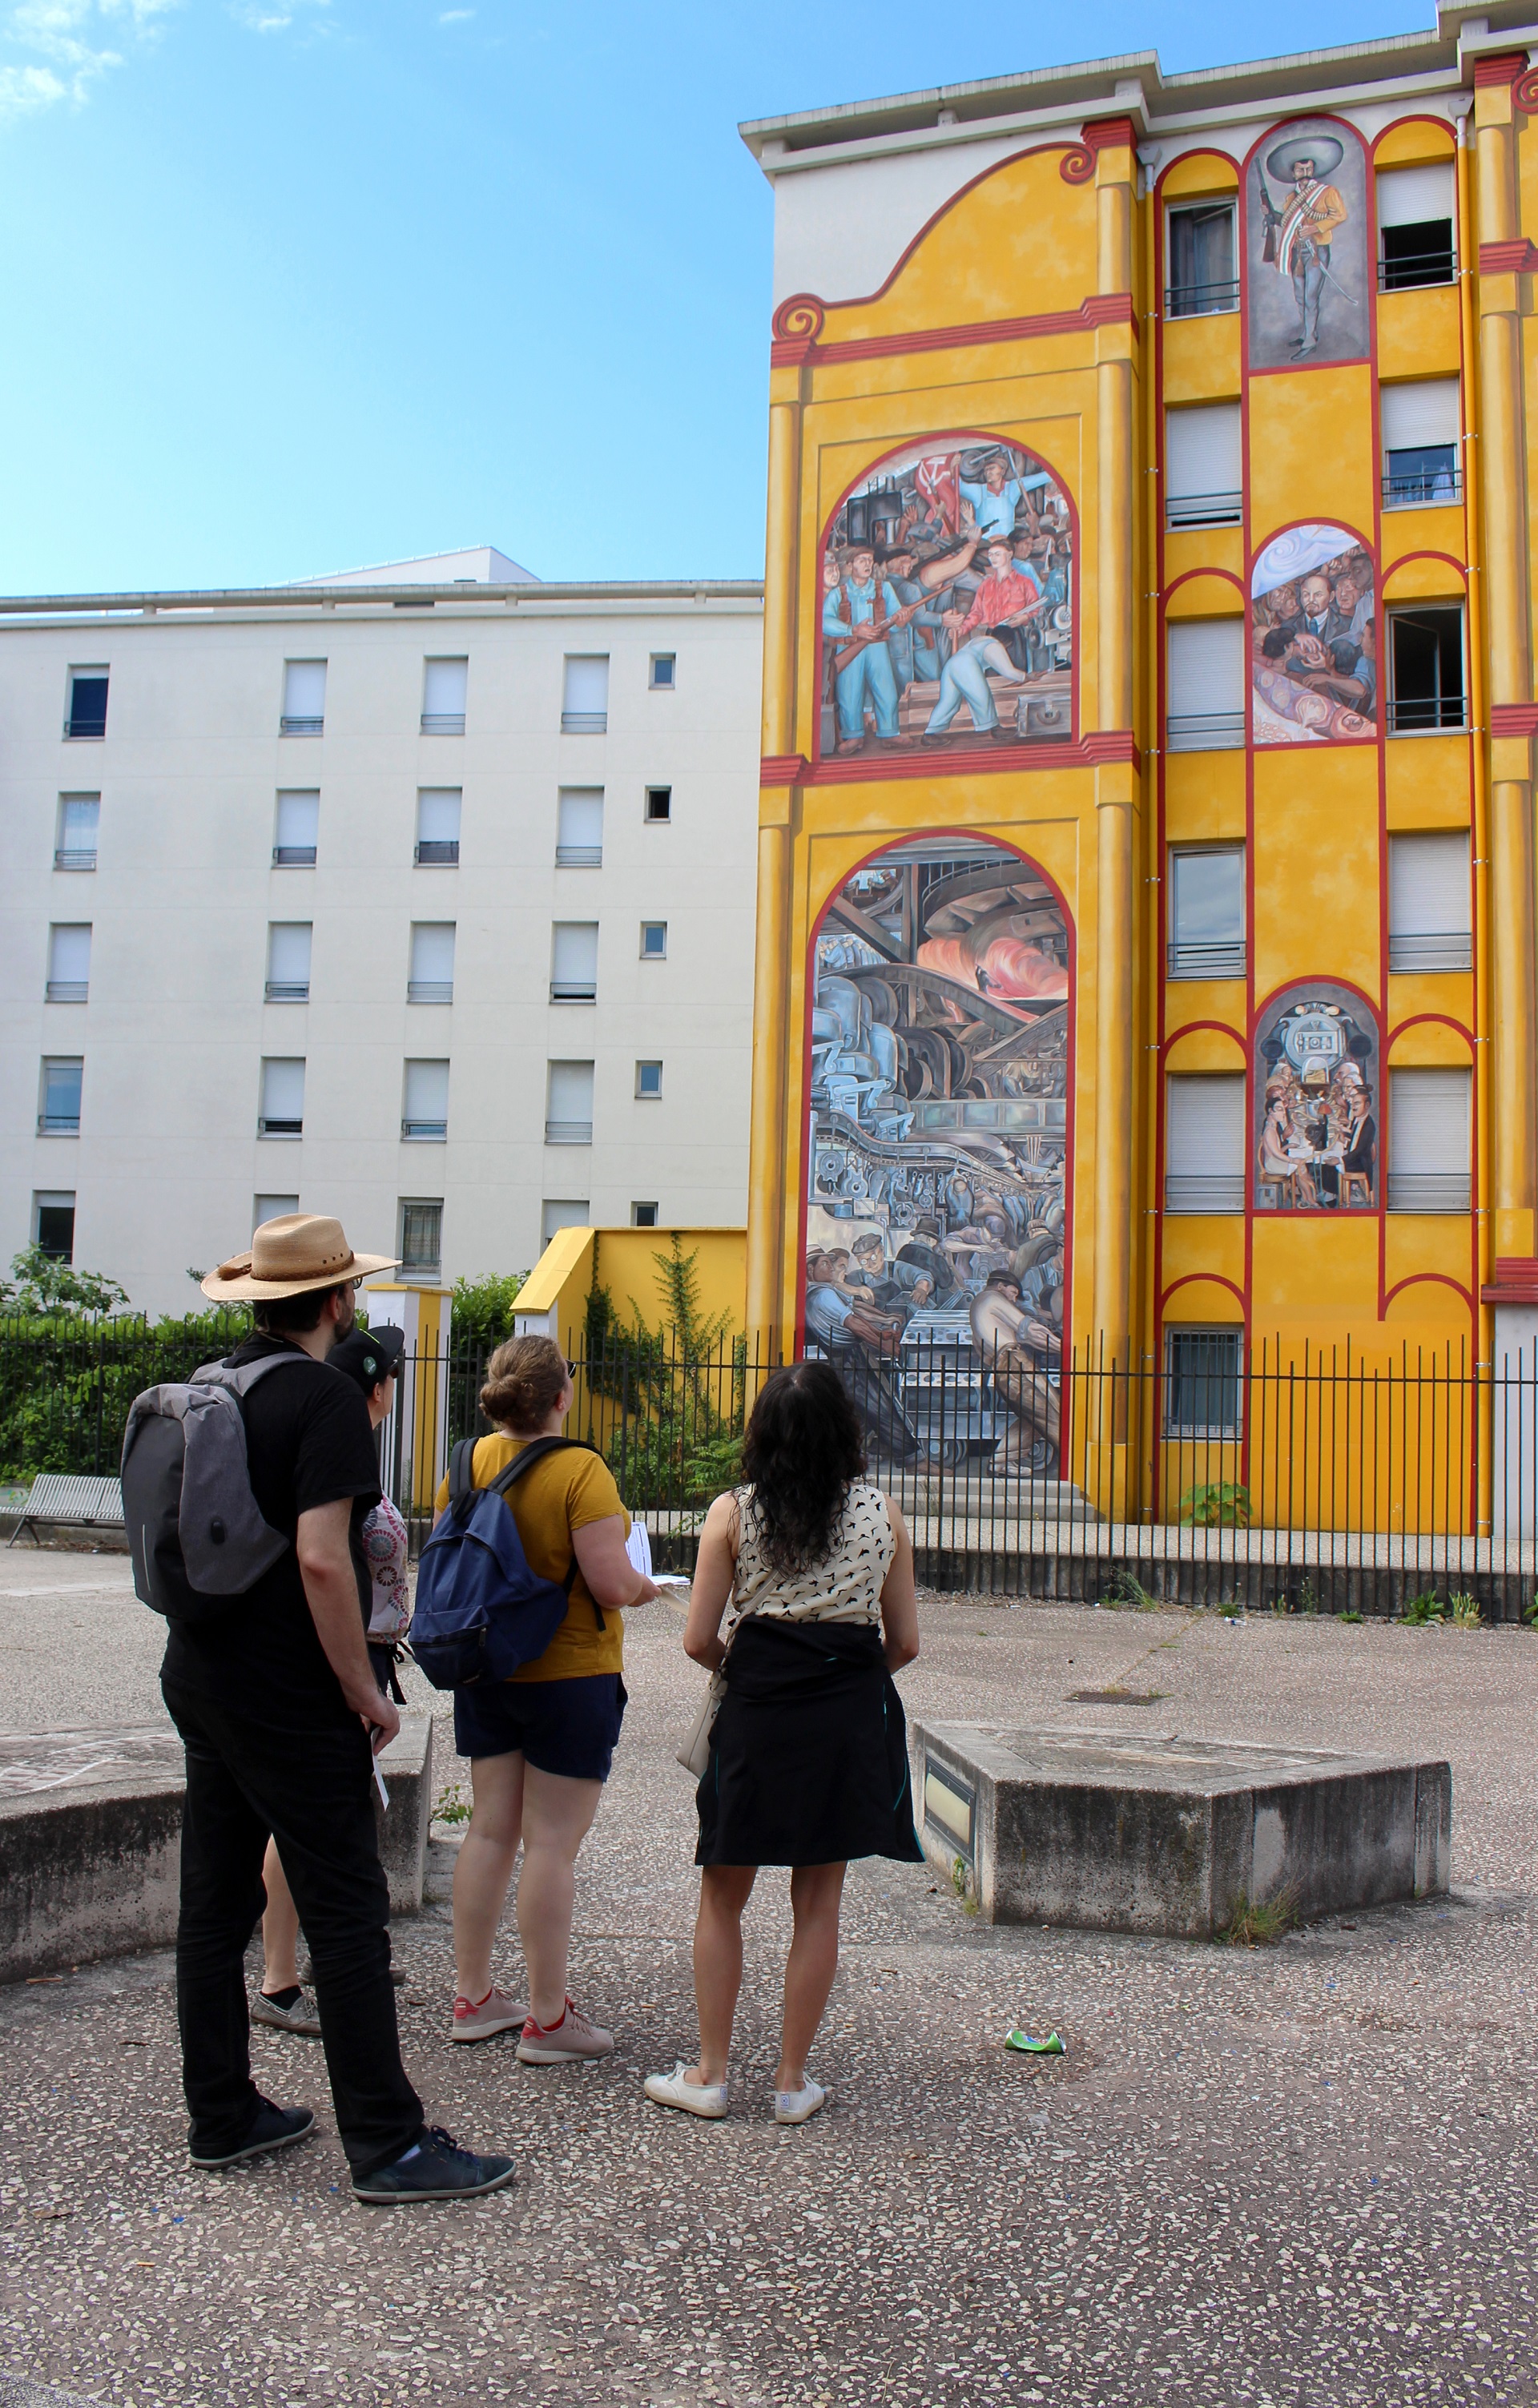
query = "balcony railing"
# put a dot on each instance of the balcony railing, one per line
(265, 1127)
(58, 1123)
(424, 1132)
(1423, 489)
(1428, 1191)
(1204, 731)
(1219, 958)
(1202, 300)
(1209, 1191)
(584, 722)
(75, 856)
(569, 1132)
(1413, 714)
(288, 991)
(300, 725)
(443, 723)
(293, 857)
(67, 991)
(1203, 510)
(429, 990)
(1422, 949)
(436, 851)
(85, 726)
(578, 856)
(1421, 267)
(573, 990)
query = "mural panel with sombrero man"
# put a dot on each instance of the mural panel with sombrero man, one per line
(1313, 639)
(947, 615)
(1316, 1102)
(1308, 294)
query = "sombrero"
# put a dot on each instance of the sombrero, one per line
(1323, 149)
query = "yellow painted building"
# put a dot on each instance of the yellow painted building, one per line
(1146, 863)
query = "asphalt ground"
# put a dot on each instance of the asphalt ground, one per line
(1303, 2174)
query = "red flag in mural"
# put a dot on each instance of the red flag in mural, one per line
(937, 481)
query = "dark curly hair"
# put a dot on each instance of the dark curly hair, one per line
(801, 1450)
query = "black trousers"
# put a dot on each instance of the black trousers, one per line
(312, 1790)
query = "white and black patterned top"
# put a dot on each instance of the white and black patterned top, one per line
(845, 1586)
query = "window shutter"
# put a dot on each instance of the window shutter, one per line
(570, 1110)
(1206, 667)
(1207, 913)
(433, 951)
(1428, 916)
(288, 952)
(1202, 450)
(298, 819)
(283, 1094)
(563, 1212)
(1204, 1142)
(304, 689)
(579, 827)
(1429, 1140)
(69, 954)
(586, 682)
(444, 689)
(1416, 195)
(574, 955)
(1417, 415)
(427, 1112)
(437, 814)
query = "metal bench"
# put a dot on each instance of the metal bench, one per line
(70, 1501)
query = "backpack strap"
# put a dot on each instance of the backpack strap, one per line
(461, 1471)
(526, 1462)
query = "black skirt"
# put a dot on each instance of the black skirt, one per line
(809, 1755)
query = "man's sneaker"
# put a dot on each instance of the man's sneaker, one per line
(573, 2036)
(299, 2017)
(796, 2106)
(499, 2012)
(707, 2099)
(433, 2168)
(273, 2127)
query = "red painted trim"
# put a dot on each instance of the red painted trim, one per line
(1077, 166)
(1420, 1279)
(1039, 869)
(1188, 1028)
(1442, 1020)
(1515, 1281)
(1186, 574)
(1515, 258)
(1110, 133)
(1524, 93)
(1415, 117)
(1508, 68)
(982, 762)
(783, 768)
(1217, 1278)
(1513, 719)
(1096, 310)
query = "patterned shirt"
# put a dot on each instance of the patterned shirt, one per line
(999, 597)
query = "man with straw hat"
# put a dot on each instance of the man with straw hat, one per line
(278, 1705)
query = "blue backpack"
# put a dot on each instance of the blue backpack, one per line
(480, 1611)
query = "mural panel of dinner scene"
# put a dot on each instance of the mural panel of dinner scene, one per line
(1316, 1089)
(947, 618)
(937, 1205)
(1313, 639)
(1310, 295)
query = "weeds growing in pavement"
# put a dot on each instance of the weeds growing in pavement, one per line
(1127, 1589)
(1260, 1923)
(1529, 1613)
(449, 1806)
(1420, 1611)
(1464, 1612)
(1352, 1616)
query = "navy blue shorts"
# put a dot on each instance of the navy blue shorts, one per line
(566, 1727)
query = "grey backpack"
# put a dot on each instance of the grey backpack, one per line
(194, 1529)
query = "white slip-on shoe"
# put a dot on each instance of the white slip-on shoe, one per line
(707, 2099)
(796, 2106)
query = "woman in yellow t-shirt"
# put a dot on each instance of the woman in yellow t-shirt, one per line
(540, 1744)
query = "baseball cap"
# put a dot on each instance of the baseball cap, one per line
(370, 1356)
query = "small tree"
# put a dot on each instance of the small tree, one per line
(44, 1284)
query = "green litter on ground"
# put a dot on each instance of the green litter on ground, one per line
(1052, 2046)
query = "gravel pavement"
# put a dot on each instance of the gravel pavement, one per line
(1298, 2175)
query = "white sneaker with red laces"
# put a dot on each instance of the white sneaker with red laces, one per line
(570, 2036)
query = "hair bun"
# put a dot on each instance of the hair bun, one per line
(525, 1380)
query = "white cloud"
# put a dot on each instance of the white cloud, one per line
(271, 16)
(67, 33)
(26, 88)
(455, 16)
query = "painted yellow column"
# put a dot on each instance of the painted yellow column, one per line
(779, 554)
(1508, 635)
(771, 1038)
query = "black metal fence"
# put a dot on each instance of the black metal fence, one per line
(1220, 1476)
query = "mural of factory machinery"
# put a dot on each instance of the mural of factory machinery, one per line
(937, 1205)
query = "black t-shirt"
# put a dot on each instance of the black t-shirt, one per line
(308, 1443)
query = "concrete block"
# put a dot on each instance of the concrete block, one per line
(89, 1844)
(1151, 1832)
(407, 1766)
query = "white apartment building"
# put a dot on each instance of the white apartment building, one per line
(423, 894)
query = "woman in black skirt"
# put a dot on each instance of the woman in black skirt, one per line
(808, 1754)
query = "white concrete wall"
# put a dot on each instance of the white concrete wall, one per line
(169, 1160)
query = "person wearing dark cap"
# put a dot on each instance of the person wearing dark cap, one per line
(371, 1359)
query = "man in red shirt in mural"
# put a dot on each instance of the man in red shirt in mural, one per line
(1008, 595)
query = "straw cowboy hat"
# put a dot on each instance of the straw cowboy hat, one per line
(297, 1251)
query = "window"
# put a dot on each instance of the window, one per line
(568, 1116)
(1428, 914)
(1420, 443)
(288, 960)
(59, 1103)
(85, 713)
(431, 978)
(424, 1116)
(1204, 467)
(1205, 1147)
(443, 689)
(563, 1212)
(437, 826)
(659, 805)
(53, 1224)
(1207, 911)
(643, 1216)
(1428, 1142)
(1206, 698)
(1416, 226)
(1425, 668)
(1202, 1383)
(74, 847)
(574, 961)
(579, 828)
(1201, 255)
(654, 940)
(421, 1235)
(648, 1080)
(304, 698)
(272, 1207)
(282, 1111)
(297, 828)
(69, 962)
(584, 702)
(662, 666)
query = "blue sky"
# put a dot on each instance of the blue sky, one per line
(293, 285)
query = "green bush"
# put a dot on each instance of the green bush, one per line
(68, 1378)
(482, 1310)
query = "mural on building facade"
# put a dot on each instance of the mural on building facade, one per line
(948, 605)
(1308, 293)
(937, 1206)
(1315, 1090)
(1313, 639)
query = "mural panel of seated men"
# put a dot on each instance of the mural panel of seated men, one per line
(937, 1199)
(948, 604)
